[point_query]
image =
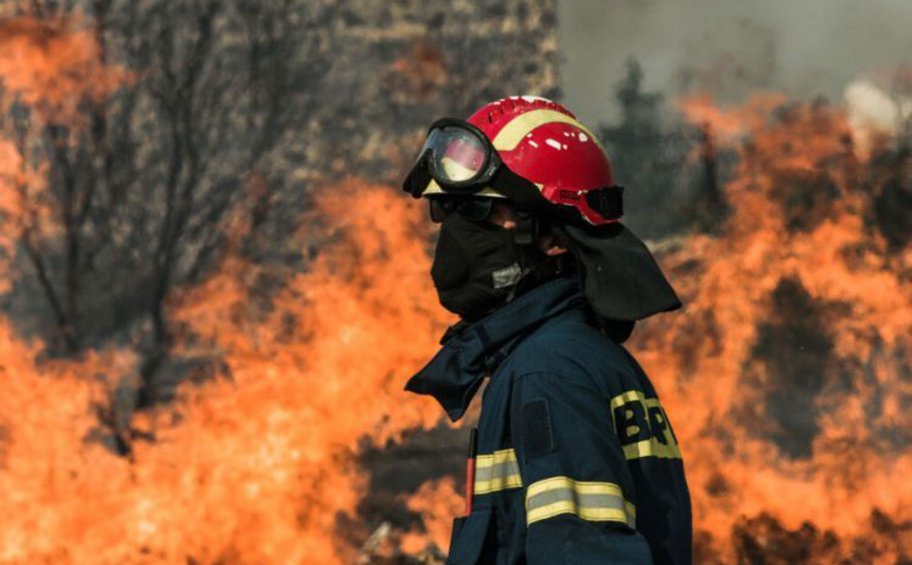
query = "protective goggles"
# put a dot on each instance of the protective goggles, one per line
(461, 159)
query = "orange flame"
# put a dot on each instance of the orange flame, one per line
(796, 253)
(438, 503)
(53, 65)
(55, 68)
(256, 466)
(262, 461)
(729, 125)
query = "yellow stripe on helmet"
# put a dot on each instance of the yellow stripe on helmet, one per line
(509, 137)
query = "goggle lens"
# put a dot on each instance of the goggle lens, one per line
(457, 155)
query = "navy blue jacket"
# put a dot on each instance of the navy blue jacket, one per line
(577, 462)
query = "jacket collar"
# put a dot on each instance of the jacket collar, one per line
(471, 351)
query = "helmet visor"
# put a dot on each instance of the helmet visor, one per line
(456, 155)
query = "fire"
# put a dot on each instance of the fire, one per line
(255, 466)
(438, 503)
(54, 65)
(732, 124)
(788, 370)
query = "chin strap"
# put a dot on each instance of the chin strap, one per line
(526, 227)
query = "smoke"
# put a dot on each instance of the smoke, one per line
(802, 49)
(874, 112)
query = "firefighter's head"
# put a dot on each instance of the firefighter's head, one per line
(526, 149)
(513, 188)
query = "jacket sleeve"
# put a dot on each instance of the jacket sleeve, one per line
(578, 489)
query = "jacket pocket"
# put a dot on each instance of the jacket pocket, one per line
(471, 535)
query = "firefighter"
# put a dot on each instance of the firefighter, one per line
(576, 461)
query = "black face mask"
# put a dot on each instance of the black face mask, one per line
(476, 267)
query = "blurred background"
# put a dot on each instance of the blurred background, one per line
(213, 289)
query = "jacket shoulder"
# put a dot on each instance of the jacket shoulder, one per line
(572, 349)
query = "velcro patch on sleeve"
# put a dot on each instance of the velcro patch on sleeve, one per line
(537, 436)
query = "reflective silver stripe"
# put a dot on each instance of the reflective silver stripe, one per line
(592, 501)
(496, 471)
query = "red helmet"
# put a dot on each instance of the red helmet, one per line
(526, 148)
(536, 153)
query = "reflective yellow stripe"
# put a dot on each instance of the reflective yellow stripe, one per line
(491, 459)
(497, 471)
(626, 397)
(570, 507)
(498, 484)
(591, 501)
(651, 448)
(509, 137)
(581, 487)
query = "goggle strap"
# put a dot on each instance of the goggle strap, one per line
(607, 201)
(418, 177)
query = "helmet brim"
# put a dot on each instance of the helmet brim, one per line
(435, 189)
